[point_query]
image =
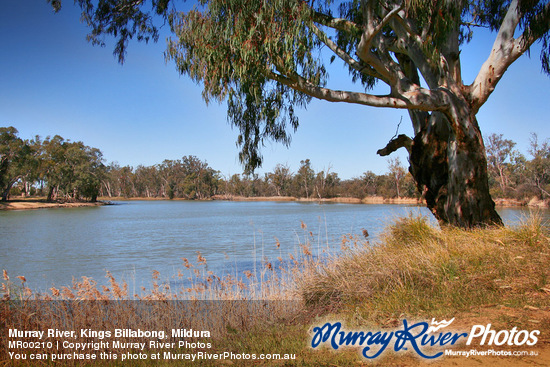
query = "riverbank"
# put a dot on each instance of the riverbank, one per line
(532, 202)
(497, 277)
(347, 200)
(31, 204)
(40, 203)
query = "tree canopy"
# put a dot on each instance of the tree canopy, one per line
(266, 58)
(69, 170)
(14, 159)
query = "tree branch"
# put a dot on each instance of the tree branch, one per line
(366, 69)
(419, 99)
(385, 67)
(372, 30)
(339, 24)
(527, 39)
(414, 43)
(503, 53)
(401, 141)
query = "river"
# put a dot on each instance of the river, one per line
(132, 239)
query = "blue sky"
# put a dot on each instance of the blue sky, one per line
(53, 82)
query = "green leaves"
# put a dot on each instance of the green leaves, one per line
(535, 24)
(122, 19)
(232, 47)
(16, 158)
(71, 169)
(56, 4)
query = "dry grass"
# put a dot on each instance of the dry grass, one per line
(416, 268)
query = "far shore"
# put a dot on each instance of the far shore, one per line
(348, 200)
(534, 202)
(41, 203)
(37, 203)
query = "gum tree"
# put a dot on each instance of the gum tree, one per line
(499, 153)
(263, 58)
(16, 160)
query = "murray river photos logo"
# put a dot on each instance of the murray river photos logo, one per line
(420, 336)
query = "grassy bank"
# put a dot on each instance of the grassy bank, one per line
(417, 267)
(415, 271)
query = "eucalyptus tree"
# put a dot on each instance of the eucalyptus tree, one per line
(325, 183)
(262, 57)
(71, 169)
(200, 180)
(397, 173)
(499, 153)
(16, 159)
(148, 181)
(369, 181)
(88, 169)
(280, 179)
(303, 180)
(538, 168)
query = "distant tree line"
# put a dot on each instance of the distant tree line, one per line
(61, 169)
(191, 178)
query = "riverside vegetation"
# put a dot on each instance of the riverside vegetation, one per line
(414, 271)
(60, 169)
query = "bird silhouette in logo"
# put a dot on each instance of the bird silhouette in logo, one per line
(439, 325)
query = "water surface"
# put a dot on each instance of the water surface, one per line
(133, 239)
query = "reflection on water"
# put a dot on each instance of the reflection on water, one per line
(133, 239)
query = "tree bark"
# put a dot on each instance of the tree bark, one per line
(7, 188)
(5, 194)
(50, 196)
(448, 163)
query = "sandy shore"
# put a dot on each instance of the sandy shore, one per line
(42, 204)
